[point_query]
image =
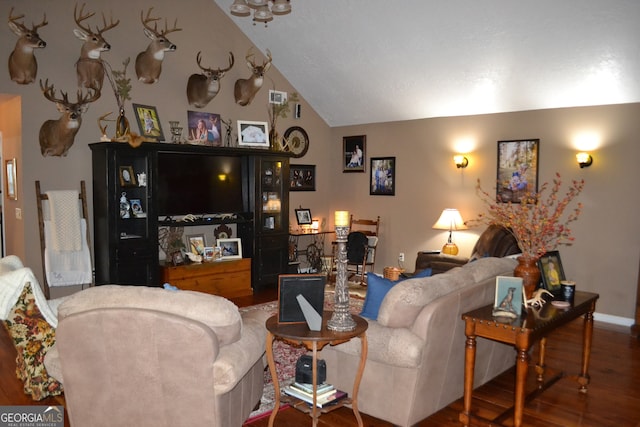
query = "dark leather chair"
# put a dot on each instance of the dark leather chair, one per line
(495, 241)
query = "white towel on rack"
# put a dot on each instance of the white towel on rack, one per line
(65, 268)
(65, 219)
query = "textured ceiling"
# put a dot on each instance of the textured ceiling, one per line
(366, 61)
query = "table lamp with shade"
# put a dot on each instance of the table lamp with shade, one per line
(450, 219)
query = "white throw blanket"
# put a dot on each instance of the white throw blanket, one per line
(65, 217)
(13, 278)
(66, 268)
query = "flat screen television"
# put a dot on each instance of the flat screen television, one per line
(199, 184)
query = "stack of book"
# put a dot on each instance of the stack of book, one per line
(326, 394)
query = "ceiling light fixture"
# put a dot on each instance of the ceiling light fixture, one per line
(261, 10)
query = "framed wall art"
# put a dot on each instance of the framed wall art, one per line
(517, 169)
(230, 248)
(551, 270)
(148, 121)
(302, 177)
(382, 176)
(11, 179)
(253, 134)
(303, 216)
(204, 128)
(354, 153)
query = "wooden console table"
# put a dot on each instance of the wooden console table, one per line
(300, 334)
(522, 333)
(230, 279)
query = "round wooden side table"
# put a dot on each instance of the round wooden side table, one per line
(299, 334)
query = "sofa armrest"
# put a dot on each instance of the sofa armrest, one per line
(235, 359)
(438, 263)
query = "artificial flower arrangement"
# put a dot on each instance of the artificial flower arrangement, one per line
(538, 222)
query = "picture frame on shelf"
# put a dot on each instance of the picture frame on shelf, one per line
(230, 248)
(204, 128)
(354, 153)
(382, 176)
(127, 176)
(136, 208)
(509, 297)
(10, 179)
(208, 254)
(551, 272)
(253, 134)
(196, 244)
(177, 258)
(302, 177)
(517, 174)
(303, 216)
(310, 286)
(148, 122)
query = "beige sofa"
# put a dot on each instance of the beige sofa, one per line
(132, 355)
(415, 362)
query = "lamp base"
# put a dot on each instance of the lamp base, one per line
(450, 249)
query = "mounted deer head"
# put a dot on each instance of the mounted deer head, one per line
(89, 66)
(202, 88)
(246, 89)
(149, 62)
(23, 66)
(56, 136)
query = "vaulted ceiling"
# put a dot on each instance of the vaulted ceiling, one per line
(367, 61)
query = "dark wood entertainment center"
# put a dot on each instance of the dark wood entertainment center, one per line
(126, 248)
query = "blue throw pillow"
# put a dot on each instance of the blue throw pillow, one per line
(377, 288)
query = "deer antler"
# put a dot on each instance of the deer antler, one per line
(78, 17)
(49, 92)
(154, 30)
(87, 98)
(109, 26)
(198, 59)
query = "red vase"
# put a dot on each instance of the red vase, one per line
(528, 270)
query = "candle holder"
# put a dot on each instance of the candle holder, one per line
(341, 320)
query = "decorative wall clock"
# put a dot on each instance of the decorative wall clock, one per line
(296, 141)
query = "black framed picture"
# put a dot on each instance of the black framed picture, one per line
(382, 176)
(310, 286)
(552, 273)
(354, 153)
(148, 121)
(302, 177)
(517, 169)
(303, 216)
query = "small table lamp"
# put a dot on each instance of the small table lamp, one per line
(450, 219)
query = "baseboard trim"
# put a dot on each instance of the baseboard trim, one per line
(615, 320)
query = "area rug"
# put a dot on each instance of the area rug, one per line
(285, 356)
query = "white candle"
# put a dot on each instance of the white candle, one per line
(342, 219)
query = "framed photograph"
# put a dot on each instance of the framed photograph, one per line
(517, 169)
(509, 297)
(302, 177)
(11, 179)
(177, 258)
(208, 254)
(550, 266)
(136, 208)
(310, 286)
(204, 128)
(127, 177)
(253, 134)
(195, 244)
(382, 178)
(148, 121)
(230, 248)
(354, 153)
(304, 216)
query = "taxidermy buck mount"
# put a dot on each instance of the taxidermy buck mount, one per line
(23, 66)
(246, 89)
(149, 62)
(202, 88)
(89, 66)
(57, 136)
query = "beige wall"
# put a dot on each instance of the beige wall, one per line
(603, 259)
(605, 255)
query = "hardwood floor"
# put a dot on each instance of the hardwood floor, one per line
(613, 398)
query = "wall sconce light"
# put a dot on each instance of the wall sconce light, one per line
(584, 159)
(460, 161)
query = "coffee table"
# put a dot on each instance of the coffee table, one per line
(300, 334)
(522, 333)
